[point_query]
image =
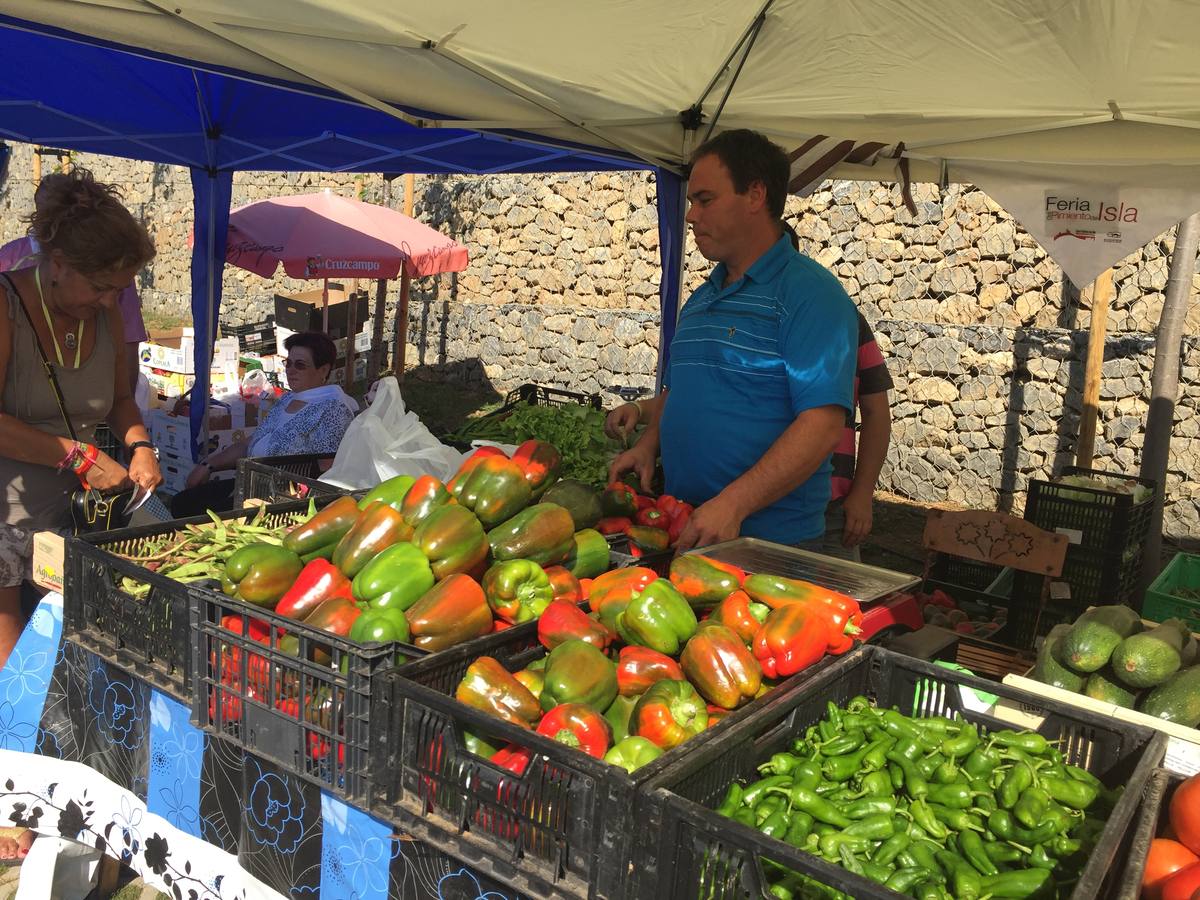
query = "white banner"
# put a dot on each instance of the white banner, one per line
(1090, 217)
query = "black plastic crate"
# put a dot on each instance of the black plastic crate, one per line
(312, 706)
(148, 636)
(621, 557)
(1150, 822)
(278, 479)
(1107, 529)
(253, 337)
(566, 827)
(539, 395)
(691, 852)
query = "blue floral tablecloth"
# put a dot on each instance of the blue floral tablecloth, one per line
(191, 813)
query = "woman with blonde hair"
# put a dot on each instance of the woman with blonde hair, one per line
(64, 302)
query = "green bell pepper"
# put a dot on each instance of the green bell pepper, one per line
(380, 626)
(425, 496)
(391, 492)
(377, 528)
(261, 574)
(540, 462)
(397, 578)
(576, 672)
(659, 618)
(496, 490)
(632, 753)
(543, 532)
(618, 714)
(590, 554)
(517, 590)
(453, 541)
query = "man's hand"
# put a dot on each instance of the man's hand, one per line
(144, 470)
(711, 523)
(640, 460)
(622, 420)
(199, 475)
(857, 507)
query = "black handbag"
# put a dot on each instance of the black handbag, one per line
(91, 509)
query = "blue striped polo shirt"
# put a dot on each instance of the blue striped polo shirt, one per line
(746, 360)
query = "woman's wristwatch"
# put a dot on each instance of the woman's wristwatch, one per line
(149, 446)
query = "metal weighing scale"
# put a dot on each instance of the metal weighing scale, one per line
(884, 596)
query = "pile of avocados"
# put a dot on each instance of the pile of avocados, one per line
(1108, 655)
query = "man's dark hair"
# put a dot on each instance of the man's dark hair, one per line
(319, 345)
(751, 156)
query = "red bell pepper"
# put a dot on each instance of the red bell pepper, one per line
(318, 581)
(335, 616)
(321, 533)
(490, 687)
(611, 592)
(644, 503)
(842, 612)
(653, 517)
(614, 524)
(578, 726)
(456, 484)
(669, 713)
(540, 462)
(248, 626)
(562, 621)
(777, 591)
(640, 667)
(743, 616)
(566, 586)
(704, 582)
(792, 638)
(544, 533)
(619, 499)
(512, 757)
(721, 666)
(716, 714)
(453, 611)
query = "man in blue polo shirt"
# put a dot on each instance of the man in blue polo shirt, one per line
(761, 374)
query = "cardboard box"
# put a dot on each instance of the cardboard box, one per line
(173, 434)
(304, 312)
(48, 555)
(175, 384)
(362, 343)
(175, 473)
(173, 349)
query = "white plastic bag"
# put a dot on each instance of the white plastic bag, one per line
(387, 440)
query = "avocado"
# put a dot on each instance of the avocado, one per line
(582, 501)
(1104, 686)
(1177, 699)
(1187, 656)
(1095, 635)
(1049, 669)
(1150, 658)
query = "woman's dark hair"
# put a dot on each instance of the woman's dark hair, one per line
(315, 342)
(751, 156)
(85, 221)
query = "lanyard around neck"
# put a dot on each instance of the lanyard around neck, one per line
(37, 278)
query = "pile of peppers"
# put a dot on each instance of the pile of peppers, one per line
(929, 807)
(657, 660)
(651, 524)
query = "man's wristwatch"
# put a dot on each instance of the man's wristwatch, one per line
(149, 446)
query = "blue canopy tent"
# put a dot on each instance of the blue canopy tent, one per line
(102, 97)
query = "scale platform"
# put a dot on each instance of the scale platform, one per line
(866, 584)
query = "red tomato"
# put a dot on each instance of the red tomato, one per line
(1183, 884)
(1185, 813)
(1164, 860)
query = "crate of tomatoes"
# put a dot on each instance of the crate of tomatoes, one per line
(532, 757)
(1164, 854)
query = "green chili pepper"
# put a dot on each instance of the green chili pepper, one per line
(1019, 777)
(830, 845)
(970, 844)
(826, 730)
(799, 828)
(914, 783)
(780, 764)
(1063, 846)
(846, 742)
(895, 775)
(965, 882)
(776, 824)
(860, 704)
(956, 796)
(843, 768)
(875, 828)
(850, 862)
(876, 755)
(885, 854)
(899, 726)
(877, 873)
(811, 802)
(755, 792)
(1057, 819)
(1002, 853)
(1085, 776)
(1040, 859)
(982, 762)
(1070, 792)
(869, 806)
(745, 816)
(766, 807)
(904, 880)
(927, 765)
(1031, 806)
(1028, 741)
(962, 744)
(947, 773)
(923, 816)
(923, 852)
(941, 725)
(1019, 884)
(930, 890)
(732, 800)
(807, 773)
(985, 801)
(958, 819)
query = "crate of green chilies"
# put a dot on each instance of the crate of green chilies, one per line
(690, 850)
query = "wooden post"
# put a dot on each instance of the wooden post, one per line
(402, 307)
(37, 167)
(377, 355)
(351, 331)
(1102, 294)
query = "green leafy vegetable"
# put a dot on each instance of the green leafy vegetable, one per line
(577, 431)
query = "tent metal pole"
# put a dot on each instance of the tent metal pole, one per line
(1164, 382)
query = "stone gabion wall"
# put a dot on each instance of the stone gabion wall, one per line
(984, 339)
